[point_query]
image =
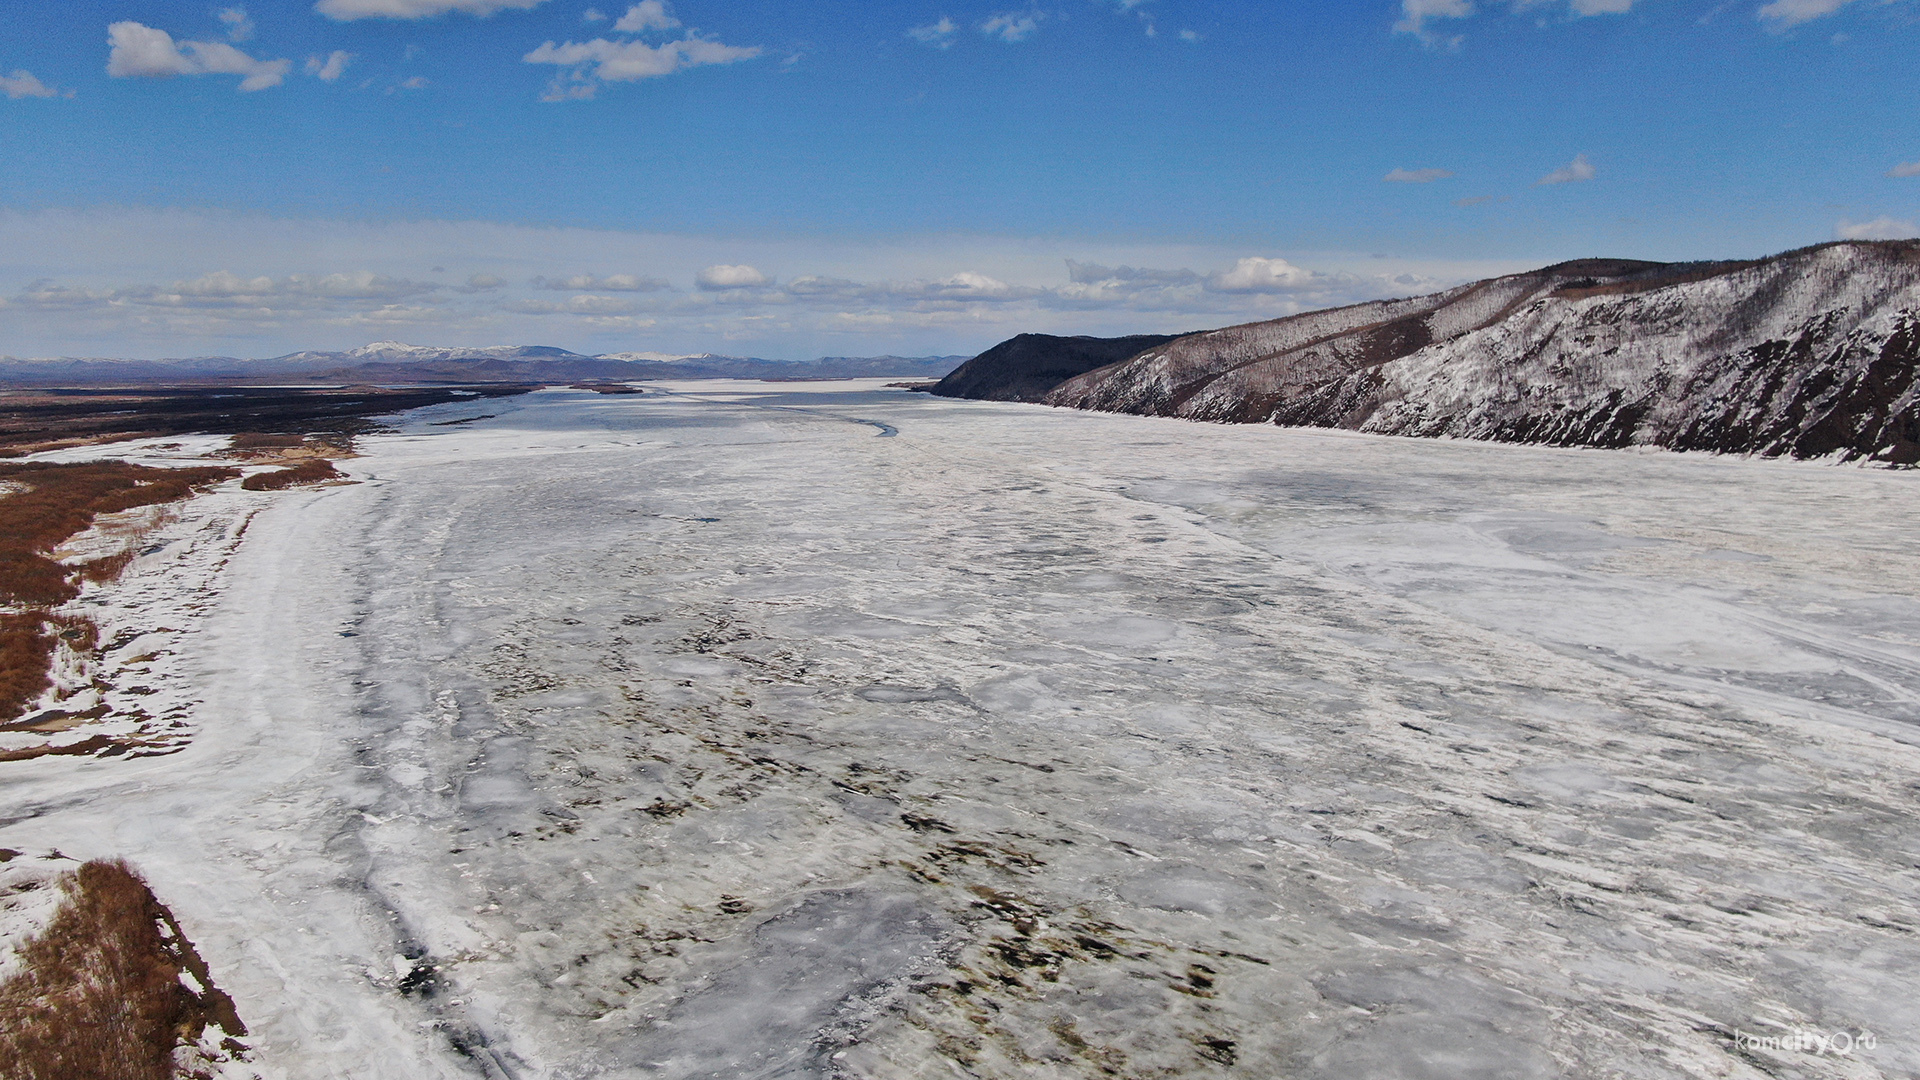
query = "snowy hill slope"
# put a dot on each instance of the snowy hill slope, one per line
(1809, 353)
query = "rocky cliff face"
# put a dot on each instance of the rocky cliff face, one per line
(1810, 353)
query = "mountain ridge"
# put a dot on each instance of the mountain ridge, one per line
(1809, 353)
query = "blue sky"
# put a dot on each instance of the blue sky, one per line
(794, 179)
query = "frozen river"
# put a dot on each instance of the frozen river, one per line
(809, 730)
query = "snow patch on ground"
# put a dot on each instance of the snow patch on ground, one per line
(707, 732)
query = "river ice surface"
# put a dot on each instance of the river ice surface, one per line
(818, 730)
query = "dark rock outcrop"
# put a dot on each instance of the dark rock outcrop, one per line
(1027, 367)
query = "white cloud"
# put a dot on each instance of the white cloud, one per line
(1415, 14)
(574, 305)
(1008, 27)
(1258, 275)
(1880, 228)
(142, 51)
(134, 282)
(239, 26)
(1782, 14)
(1573, 171)
(348, 10)
(22, 84)
(610, 283)
(968, 285)
(1905, 168)
(730, 276)
(646, 15)
(1580, 9)
(225, 288)
(592, 15)
(601, 60)
(939, 35)
(1415, 176)
(416, 82)
(332, 67)
(1189, 36)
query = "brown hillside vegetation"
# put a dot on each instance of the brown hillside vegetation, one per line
(315, 471)
(100, 994)
(62, 500)
(25, 650)
(49, 503)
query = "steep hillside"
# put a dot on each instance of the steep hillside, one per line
(1809, 353)
(1027, 367)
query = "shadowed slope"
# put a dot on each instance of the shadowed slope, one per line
(1027, 367)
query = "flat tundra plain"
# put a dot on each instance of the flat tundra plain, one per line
(823, 730)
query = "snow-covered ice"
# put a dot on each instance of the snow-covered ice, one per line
(783, 730)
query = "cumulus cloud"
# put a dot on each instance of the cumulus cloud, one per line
(724, 276)
(1784, 14)
(967, 285)
(22, 84)
(348, 10)
(646, 15)
(1572, 172)
(939, 34)
(1416, 14)
(610, 283)
(332, 67)
(1009, 27)
(1191, 37)
(47, 296)
(123, 283)
(226, 295)
(239, 26)
(224, 287)
(1416, 176)
(140, 51)
(574, 305)
(1905, 168)
(601, 60)
(1880, 228)
(1258, 275)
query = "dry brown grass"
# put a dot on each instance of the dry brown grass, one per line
(318, 470)
(25, 650)
(58, 502)
(63, 500)
(100, 995)
(256, 440)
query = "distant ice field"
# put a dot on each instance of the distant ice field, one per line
(817, 730)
